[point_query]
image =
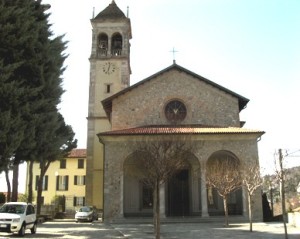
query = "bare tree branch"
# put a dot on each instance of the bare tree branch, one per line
(223, 174)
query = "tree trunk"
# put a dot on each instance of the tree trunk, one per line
(157, 213)
(225, 211)
(8, 198)
(30, 179)
(15, 183)
(250, 210)
(154, 210)
(40, 188)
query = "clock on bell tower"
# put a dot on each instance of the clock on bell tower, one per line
(109, 73)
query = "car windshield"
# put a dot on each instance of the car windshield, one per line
(17, 209)
(85, 209)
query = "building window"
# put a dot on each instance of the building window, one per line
(45, 183)
(80, 163)
(79, 180)
(62, 183)
(63, 163)
(79, 201)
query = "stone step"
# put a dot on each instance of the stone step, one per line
(145, 220)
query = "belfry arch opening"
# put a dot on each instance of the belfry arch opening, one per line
(102, 44)
(116, 44)
(218, 161)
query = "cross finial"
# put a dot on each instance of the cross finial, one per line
(174, 51)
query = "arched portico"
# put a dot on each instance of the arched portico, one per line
(180, 195)
(214, 165)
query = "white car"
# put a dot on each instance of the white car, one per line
(86, 213)
(17, 217)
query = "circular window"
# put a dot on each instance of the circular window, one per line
(175, 111)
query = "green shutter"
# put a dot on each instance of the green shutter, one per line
(67, 183)
(46, 183)
(75, 179)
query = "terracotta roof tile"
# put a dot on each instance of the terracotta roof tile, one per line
(181, 130)
(77, 153)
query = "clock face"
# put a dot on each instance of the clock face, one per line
(175, 111)
(109, 68)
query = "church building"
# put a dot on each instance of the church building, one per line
(171, 102)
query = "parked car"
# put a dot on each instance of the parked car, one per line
(17, 217)
(86, 213)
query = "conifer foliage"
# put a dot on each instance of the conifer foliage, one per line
(31, 65)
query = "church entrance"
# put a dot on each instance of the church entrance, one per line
(178, 194)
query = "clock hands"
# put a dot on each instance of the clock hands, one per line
(108, 67)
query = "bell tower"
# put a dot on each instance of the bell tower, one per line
(109, 73)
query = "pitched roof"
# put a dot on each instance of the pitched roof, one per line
(167, 130)
(111, 12)
(107, 103)
(77, 153)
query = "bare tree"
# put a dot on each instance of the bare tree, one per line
(251, 182)
(223, 174)
(280, 174)
(157, 161)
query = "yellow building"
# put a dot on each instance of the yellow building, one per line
(64, 180)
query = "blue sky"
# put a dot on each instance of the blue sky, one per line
(251, 47)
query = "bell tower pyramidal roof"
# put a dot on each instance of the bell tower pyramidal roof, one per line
(112, 11)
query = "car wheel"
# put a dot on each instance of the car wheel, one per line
(22, 230)
(33, 229)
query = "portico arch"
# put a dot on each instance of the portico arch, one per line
(138, 200)
(214, 200)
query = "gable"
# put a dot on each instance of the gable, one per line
(144, 103)
(242, 100)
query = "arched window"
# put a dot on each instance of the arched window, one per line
(102, 45)
(116, 44)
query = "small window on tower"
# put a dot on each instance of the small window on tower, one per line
(108, 88)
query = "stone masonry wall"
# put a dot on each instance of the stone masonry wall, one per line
(145, 105)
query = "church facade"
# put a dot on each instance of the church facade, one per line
(174, 102)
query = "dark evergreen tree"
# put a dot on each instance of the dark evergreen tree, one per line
(31, 64)
(17, 34)
(47, 66)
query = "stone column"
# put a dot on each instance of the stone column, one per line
(109, 47)
(245, 202)
(203, 191)
(121, 195)
(162, 206)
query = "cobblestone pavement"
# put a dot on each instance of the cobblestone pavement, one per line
(208, 230)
